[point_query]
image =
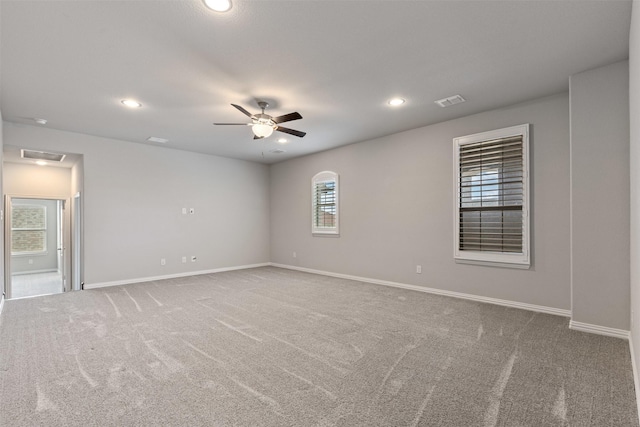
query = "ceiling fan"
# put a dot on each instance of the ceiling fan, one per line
(263, 124)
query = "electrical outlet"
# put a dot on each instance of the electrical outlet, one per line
(193, 258)
(184, 211)
(30, 261)
(163, 261)
(295, 255)
(419, 269)
(184, 259)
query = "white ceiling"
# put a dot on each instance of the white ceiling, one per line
(335, 62)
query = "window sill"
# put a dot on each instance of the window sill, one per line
(325, 234)
(519, 266)
(29, 254)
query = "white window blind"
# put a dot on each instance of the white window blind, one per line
(492, 196)
(324, 212)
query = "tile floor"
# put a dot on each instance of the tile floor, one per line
(29, 285)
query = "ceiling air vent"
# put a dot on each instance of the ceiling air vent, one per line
(452, 100)
(41, 155)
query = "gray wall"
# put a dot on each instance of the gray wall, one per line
(600, 196)
(634, 115)
(39, 262)
(37, 181)
(133, 199)
(2, 284)
(397, 208)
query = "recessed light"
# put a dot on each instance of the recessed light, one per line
(40, 121)
(282, 141)
(396, 101)
(156, 139)
(131, 103)
(218, 5)
(41, 163)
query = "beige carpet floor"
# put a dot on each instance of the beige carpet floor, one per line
(271, 347)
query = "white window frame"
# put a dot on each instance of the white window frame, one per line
(497, 259)
(325, 176)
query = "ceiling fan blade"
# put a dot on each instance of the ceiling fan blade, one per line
(240, 124)
(287, 117)
(243, 111)
(291, 131)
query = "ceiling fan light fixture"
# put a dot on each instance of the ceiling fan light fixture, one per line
(218, 5)
(262, 130)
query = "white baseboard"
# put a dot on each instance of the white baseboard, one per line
(635, 372)
(600, 330)
(171, 276)
(507, 303)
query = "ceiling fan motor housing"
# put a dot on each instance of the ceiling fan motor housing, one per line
(264, 119)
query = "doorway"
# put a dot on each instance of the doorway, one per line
(37, 238)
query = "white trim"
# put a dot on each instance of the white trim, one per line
(2, 300)
(35, 296)
(635, 372)
(43, 252)
(492, 264)
(571, 198)
(30, 254)
(46, 270)
(496, 259)
(325, 176)
(171, 276)
(600, 330)
(453, 294)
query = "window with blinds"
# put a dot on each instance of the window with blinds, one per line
(324, 209)
(492, 196)
(28, 229)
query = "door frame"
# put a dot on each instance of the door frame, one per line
(66, 238)
(76, 230)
